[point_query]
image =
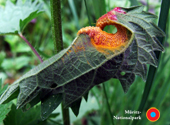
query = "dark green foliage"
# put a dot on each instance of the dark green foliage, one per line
(31, 117)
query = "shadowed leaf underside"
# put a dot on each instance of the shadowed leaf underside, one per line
(69, 75)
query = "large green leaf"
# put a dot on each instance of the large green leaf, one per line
(70, 74)
(13, 18)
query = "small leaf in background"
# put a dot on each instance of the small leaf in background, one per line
(16, 45)
(13, 18)
(2, 57)
(22, 47)
(12, 41)
(16, 64)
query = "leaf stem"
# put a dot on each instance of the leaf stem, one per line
(58, 42)
(107, 101)
(56, 25)
(33, 49)
(66, 117)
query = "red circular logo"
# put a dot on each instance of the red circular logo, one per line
(153, 114)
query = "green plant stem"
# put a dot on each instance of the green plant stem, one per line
(65, 113)
(108, 106)
(56, 25)
(58, 42)
(152, 70)
(32, 48)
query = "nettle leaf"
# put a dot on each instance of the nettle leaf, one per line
(94, 56)
(14, 18)
(4, 108)
(32, 117)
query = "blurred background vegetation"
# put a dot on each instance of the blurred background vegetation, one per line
(16, 59)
